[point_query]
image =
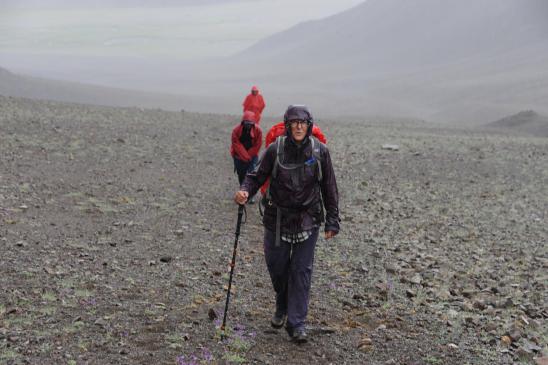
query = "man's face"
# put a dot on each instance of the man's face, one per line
(299, 128)
(254, 92)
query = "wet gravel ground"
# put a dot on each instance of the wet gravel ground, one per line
(117, 227)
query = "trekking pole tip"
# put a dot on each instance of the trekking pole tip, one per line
(223, 334)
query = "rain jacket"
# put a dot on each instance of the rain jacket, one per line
(254, 103)
(298, 194)
(279, 130)
(238, 150)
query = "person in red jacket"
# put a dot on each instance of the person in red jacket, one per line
(254, 102)
(247, 139)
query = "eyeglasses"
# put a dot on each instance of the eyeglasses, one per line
(300, 122)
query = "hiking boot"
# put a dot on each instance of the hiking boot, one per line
(300, 336)
(289, 330)
(277, 320)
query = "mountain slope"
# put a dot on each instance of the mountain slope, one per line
(527, 121)
(452, 60)
(106, 3)
(400, 35)
(462, 61)
(38, 88)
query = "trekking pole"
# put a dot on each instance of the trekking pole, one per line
(241, 209)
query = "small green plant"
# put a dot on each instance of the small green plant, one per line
(150, 312)
(67, 283)
(48, 311)
(82, 293)
(74, 328)
(21, 321)
(45, 348)
(239, 344)
(421, 296)
(234, 358)
(174, 341)
(6, 354)
(433, 360)
(83, 346)
(49, 297)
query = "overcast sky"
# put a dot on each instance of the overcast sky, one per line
(175, 29)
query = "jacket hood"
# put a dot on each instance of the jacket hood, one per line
(301, 112)
(249, 116)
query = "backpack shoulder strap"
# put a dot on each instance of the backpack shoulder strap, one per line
(316, 145)
(279, 155)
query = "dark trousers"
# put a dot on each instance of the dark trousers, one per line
(290, 268)
(242, 167)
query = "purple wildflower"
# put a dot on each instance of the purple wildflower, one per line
(239, 327)
(206, 354)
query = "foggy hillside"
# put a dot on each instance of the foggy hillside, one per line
(448, 60)
(38, 88)
(526, 121)
(459, 61)
(383, 36)
(108, 3)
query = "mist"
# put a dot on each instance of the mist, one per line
(122, 133)
(169, 30)
(453, 61)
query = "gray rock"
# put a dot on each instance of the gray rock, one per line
(530, 347)
(390, 147)
(515, 334)
(468, 293)
(415, 279)
(479, 304)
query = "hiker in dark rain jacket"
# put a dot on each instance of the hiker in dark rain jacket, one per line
(302, 184)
